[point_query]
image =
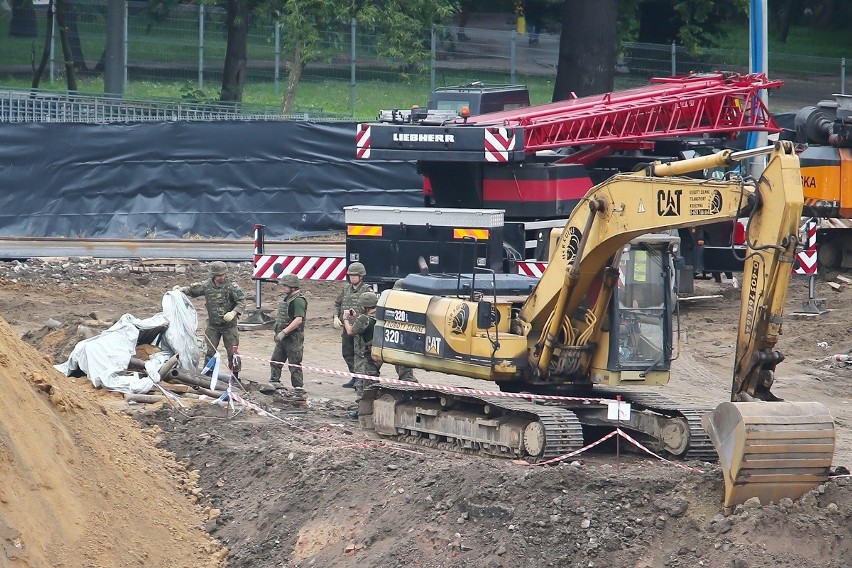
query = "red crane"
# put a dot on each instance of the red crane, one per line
(718, 103)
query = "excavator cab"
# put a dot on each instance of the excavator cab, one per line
(641, 331)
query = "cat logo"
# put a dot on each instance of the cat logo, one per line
(668, 202)
(572, 243)
(458, 318)
(433, 345)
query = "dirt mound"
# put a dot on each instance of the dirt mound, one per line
(82, 484)
(307, 488)
(310, 490)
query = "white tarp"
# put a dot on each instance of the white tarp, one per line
(105, 357)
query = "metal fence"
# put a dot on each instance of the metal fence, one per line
(44, 106)
(187, 44)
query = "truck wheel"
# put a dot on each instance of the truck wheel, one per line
(830, 254)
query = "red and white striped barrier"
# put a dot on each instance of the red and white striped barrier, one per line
(806, 261)
(274, 266)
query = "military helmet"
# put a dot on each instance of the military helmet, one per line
(368, 300)
(218, 267)
(290, 280)
(357, 268)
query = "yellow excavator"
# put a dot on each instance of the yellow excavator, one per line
(599, 323)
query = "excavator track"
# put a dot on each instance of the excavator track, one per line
(504, 427)
(467, 422)
(700, 445)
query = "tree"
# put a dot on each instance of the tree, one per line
(587, 48)
(397, 24)
(23, 23)
(233, 74)
(59, 8)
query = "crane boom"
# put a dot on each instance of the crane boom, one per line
(673, 106)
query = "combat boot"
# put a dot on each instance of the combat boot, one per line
(350, 384)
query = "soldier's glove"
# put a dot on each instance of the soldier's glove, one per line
(229, 316)
(179, 288)
(337, 323)
(281, 335)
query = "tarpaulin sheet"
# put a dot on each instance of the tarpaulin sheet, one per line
(176, 179)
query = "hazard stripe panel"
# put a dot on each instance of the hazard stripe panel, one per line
(531, 268)
(364, 230)
(363, 141)
(806, 261)
(273, 267)
(480, 234)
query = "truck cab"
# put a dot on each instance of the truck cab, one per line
(479, 98)
(446, 103)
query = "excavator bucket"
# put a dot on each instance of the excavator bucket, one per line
(771, 450)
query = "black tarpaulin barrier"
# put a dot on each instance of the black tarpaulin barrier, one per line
(176, 179)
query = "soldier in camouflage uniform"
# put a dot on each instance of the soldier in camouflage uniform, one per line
(404, 373)
(360, 328)
(290, 332)
(348, 300)
(225, 302)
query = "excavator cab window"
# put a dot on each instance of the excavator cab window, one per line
(641, 333)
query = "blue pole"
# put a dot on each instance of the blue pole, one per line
(758, 63)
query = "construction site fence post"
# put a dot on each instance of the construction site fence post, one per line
(433, 58)
(674, 59)
(277, 58)
(52, 51)
(353, 29)
(513, 54)
(201, 47)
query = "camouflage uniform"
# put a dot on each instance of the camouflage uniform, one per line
(362, 328)
(290, 349)
(219, 301)
(405, 373)
(346, 300)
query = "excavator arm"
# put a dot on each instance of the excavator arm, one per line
(767, 448)
(629, 205)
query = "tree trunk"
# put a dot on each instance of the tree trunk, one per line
(293, 78)
(785, 19)
(824, 14)
(70, 74)
(23, 23)
(234, 73)
(69, 12)
(587, 48)
(45, 53)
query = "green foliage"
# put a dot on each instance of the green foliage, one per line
(705, 22)
(396, 24)
(693, 23)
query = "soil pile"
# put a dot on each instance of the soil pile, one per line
(83, 485)
(306, 487)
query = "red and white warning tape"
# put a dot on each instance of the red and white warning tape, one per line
(627, 437)
(462, 390)
(444, 388)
